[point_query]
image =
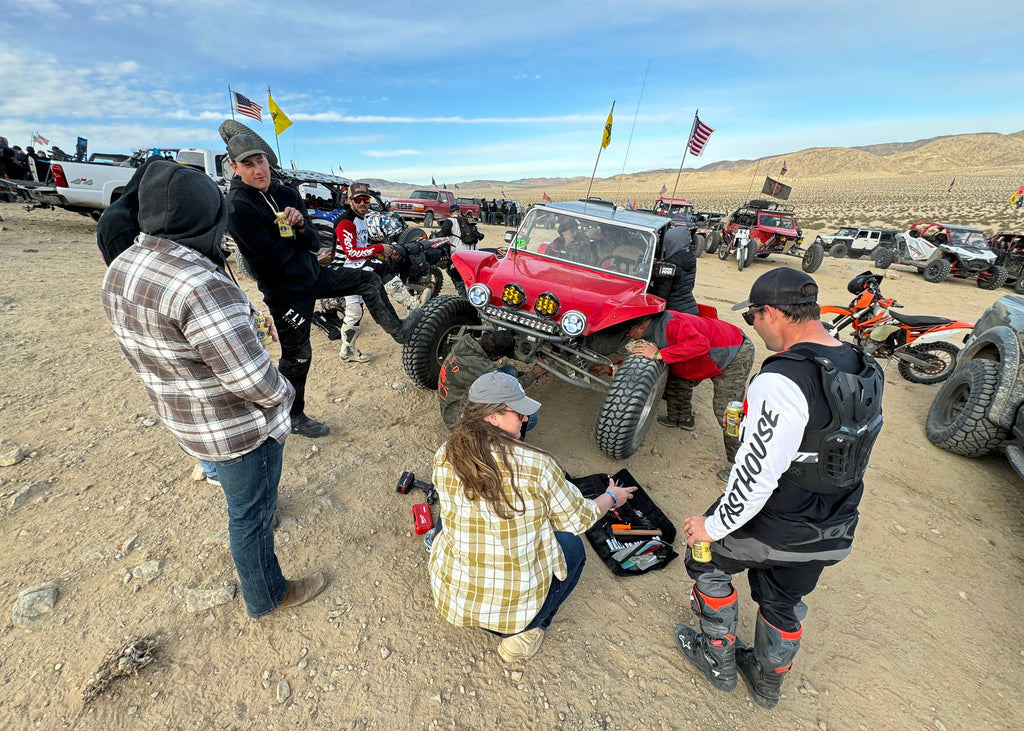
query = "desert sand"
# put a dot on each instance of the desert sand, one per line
(920, 628)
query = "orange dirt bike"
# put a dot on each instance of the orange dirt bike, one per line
(917, 342)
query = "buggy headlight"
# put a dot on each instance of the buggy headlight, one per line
(546, 305)
(479, 295)
(513, 295)
(573, 323)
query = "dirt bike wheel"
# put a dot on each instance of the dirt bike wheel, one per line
(813, 258)
(958, 418)
(714, 241)
(243, 264)
(434, 337)
(229, 128)
(937, 271)
(724, 250)
(941, 355)
(741, 258)
(412, 233)
(994, 278)
(751, 253)
(1018, 286)
(882, 257)
(630, 406)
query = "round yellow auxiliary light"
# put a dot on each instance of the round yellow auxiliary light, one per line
(546, 305)
(513, 295)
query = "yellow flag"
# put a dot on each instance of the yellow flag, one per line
(607, 128)
(281, 121)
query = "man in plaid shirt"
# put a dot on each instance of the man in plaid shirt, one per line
(190, 333)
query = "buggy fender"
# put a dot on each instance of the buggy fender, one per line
(1002, 345)
(474, 265)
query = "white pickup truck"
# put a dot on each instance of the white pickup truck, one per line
(90, 187)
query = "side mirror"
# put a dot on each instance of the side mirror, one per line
(509, 236)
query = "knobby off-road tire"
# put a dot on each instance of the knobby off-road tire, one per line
(229, 128)
(412, 233)
(838, 251)
(994, 278)
(699, 245)
(724, 250)
(942, 355)
(751, 253)
(958, 418)
(434, 336)
(813, 258)
(630, 406)
(428, 219)
(1018, 286)
(235, 253)
(937, 271)
(882, 258)
(714, 241)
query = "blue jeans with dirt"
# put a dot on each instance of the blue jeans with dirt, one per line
(250, 486)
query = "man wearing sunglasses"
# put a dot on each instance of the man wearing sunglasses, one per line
(269, 223)
(791, 505)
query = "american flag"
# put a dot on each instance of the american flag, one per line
(546, 198)
(784, 168)
(699, 136)
(247, 107)
(38, 139)
(664, 190)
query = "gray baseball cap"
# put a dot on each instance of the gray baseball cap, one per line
(242, 146)
(501, 388)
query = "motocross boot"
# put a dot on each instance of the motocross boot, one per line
(383, 313)
(765, 665)
(396, 290)
(349, 352)
(713, 649)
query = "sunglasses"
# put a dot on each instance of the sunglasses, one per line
(361, 199)
(748, 316)
(510, 411)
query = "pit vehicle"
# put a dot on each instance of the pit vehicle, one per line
(429, 205)
(981, 406)
(681, 212)
(943, 250)
(772, 229)
(1009, 249)
(568, 310)
(856, 242)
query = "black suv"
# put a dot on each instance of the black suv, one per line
(981, 405)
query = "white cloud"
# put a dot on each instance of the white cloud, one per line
(391, 153)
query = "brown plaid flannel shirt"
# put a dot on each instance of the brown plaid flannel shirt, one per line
(189, 332)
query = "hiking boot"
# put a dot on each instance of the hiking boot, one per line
(716, 658)
(302, 590)
(306, 427)
(689, 423)
(522, 646)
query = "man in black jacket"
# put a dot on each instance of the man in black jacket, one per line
(269, 223)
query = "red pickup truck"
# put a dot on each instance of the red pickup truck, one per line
(430, 205)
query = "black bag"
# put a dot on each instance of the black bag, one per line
(639, 554)
(469, 233)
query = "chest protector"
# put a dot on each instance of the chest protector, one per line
(834, 458)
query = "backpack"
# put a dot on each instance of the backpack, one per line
(469, 233)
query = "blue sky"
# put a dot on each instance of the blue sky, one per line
(460, 91)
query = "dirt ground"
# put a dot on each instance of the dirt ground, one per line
(920, 628)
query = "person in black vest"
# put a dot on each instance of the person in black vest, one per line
(677, 291)
(791, 505)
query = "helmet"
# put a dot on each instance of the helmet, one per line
(383, 227)
(863, 281)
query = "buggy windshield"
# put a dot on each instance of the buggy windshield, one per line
(776, 221)
(971, 238)
(595, 244)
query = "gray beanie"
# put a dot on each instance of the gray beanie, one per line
(183, 205)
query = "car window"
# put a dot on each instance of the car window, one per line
(423, 195)
(595, 244)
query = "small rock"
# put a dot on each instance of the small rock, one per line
(149, 421)
(629, 600)
(10, 453)
(198, 600)
(284, 690)
(807, 687)
(27, 494)
(287, 522)
(515, 676)
(385, 653)
(34, 602)
(399, 386)
(899, 528)
(220, 536)
(197, 473)
(962, 595)
(939, 725)
(147, 571)
(128, 544)
(301, 664)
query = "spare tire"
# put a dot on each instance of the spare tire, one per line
(229, 128)
(958, 420)
(699, 245)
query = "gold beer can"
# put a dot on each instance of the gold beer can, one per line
(733, 417)
(701, 551)
(263, 330)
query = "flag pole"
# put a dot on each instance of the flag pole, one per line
(643, 85)
(693, 127)
(277, 137)
(607, 135)
(231, 103)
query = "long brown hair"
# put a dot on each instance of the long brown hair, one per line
(471, 453)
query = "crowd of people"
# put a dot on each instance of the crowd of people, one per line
(505, 553)
(18, 164)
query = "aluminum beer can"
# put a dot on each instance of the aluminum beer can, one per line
(263, 330)
(733, 417)
(701, 551)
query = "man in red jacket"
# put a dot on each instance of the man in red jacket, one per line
(696, 349)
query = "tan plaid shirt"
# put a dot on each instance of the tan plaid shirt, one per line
(494, 573)
(189, 332)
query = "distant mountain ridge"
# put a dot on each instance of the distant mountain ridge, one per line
(933, 154)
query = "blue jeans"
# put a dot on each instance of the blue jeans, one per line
(250, 486)
(209, 468)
